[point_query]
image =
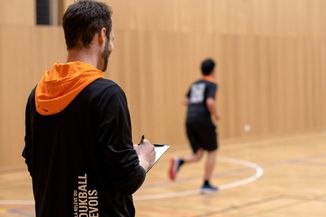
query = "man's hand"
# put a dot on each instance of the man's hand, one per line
(146, 154)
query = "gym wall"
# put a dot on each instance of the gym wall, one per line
(270, 65)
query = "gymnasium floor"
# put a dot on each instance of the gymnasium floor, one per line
(270, 177)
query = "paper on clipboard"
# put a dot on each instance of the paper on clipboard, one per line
(160, 149)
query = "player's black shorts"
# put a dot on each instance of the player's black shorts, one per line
(202, 135)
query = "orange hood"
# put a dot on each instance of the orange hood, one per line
(61, 84)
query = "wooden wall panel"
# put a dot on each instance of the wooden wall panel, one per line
(23, 61)
(66, 3)
(271, 17)
(17, 12)
(264, 81)
(270, 66)
(2, 147)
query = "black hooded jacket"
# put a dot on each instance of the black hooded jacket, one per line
(82, 160)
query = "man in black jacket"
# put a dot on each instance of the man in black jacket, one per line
(78, 145)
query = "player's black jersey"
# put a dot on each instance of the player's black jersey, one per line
(198, 92)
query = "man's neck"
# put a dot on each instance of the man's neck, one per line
(86, 56)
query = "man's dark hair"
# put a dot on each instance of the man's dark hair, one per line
(83, 19)
(207, 66)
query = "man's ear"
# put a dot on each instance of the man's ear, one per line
(102, 35)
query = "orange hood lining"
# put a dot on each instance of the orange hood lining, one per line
(61, 84)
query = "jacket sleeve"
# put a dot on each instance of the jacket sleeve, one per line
(28, 136)
(114, 138)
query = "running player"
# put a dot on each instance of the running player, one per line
(201, 131)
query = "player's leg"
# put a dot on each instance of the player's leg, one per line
(209, 165)
(177, 162)
(211, 147)
(207, 187)
(196, 155)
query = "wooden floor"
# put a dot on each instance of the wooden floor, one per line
(271, 177)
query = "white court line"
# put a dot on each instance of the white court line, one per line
(257, 175)
(17, 202)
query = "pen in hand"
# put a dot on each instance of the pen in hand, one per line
(142, 139)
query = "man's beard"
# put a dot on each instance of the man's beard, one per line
(105, 56)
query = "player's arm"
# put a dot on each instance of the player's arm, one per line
(210, 103)
(186, 98)
(186, 101)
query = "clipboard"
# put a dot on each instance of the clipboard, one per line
(160, 149)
